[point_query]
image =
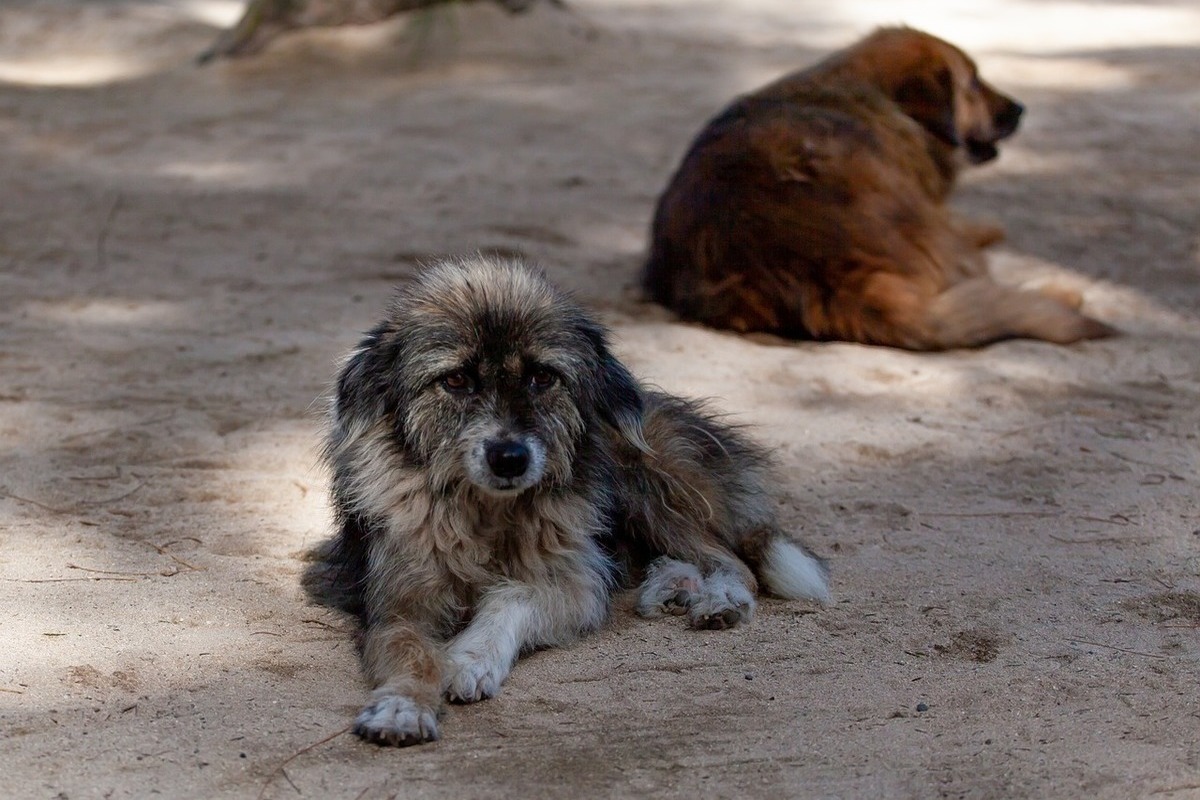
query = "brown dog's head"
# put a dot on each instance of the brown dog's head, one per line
(939, 86)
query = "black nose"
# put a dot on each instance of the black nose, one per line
(507, 459)
(1008, 118)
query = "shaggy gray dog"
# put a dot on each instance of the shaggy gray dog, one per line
(497, 473)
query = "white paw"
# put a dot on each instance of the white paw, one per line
(671, 587)
(397, 721)
(473, 678)
(723, 602)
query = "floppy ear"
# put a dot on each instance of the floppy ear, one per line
(929, 99)
(368, 386)
(359, 384)
(619, 400)
(616, 395)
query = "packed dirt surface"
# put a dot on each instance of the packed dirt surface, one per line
(185, 253)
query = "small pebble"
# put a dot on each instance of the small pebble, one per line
(922, 707)
(749, 676)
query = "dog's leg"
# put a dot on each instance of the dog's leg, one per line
(1072, 298)
(671, 587)
(405, 668)
(725, 599)
(894, 311)
(512, 617)
(980, 311)
(721, 599)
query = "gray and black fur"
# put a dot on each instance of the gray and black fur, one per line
(497, 472)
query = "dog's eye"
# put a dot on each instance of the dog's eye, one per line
(458, 382)
(541, 379)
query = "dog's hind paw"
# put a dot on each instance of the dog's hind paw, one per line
(473, 679)
(396, 721)
(723, 602)
(671, 587)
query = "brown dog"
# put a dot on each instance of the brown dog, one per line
(815, 208)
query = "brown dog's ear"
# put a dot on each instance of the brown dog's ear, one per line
(929, 99)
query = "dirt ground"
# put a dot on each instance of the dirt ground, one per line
(1014, 533)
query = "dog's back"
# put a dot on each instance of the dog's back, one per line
(813, 208)
(784, 208)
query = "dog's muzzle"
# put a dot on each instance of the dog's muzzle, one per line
(1004, 124)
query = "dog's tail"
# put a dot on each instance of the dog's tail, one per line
(789, 570)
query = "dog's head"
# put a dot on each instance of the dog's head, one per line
(485, 374)
(939, 86)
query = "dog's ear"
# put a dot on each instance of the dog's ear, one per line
(359, 387)
(616, 395)
(929, 99)
(620, 400)
(368, 386)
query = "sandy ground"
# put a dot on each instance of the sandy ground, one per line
(1014, 532)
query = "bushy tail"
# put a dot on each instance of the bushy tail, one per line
(790, 571)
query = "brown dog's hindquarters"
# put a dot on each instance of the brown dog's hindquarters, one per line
(815, 208)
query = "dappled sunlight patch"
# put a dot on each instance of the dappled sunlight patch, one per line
(96, 44)
(234, 174)
(280, 473)
(1003, 24)
(136, 614)
(145, 561)
(218, 13)
(72, 70)
(612, 237)
(996, 24)
(752, 374)
(1012, 53)
(563, 99)
(110, 312)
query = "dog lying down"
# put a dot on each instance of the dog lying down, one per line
(814, 208)
(497, 473)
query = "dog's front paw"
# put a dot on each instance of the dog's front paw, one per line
(723, 602)
(397, 721)
(473, 678)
